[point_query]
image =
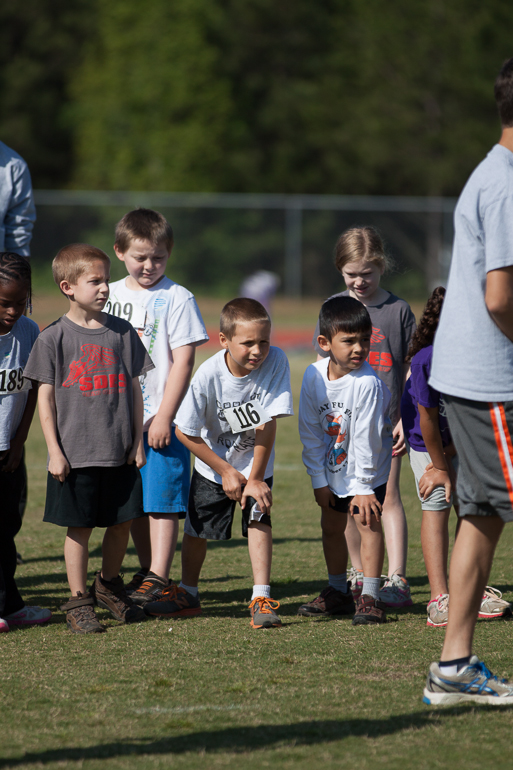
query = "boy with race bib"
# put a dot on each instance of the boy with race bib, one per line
(228, 420)
(169, 323)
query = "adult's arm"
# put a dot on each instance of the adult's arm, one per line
(499, 298)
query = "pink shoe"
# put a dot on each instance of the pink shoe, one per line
(28, 616)
(4, 626)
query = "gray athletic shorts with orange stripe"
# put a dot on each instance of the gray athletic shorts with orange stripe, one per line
(482, 436)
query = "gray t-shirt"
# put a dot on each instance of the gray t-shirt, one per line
(15, 347)
(393, 324)
(214, 389)
(472, 358)
(92, 371)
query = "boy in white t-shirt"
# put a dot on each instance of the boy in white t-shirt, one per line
(228, 420)
(170, 326)
(347, 450)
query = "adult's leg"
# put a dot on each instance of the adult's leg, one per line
(260, 546)
(194, 550)
(434, 537)
(394, 523)
(76, 556)
(471, 562)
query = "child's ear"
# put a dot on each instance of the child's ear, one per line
(119, 254)
(323, 343)
(223, 340)
(66, 288)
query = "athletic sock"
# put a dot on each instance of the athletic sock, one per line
(261, 591)
(371, 587)
(339, 582)
(190, 589)
(451, 667)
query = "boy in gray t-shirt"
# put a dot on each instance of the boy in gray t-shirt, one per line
(228, 420)
(87, 365)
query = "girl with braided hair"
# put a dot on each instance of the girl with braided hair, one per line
(17, 404)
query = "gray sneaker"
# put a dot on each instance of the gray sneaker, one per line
(438, 611)
(493, 605)
(472, 683)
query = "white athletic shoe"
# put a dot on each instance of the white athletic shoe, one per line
(493, 605)
(28, 616)
(395, 592)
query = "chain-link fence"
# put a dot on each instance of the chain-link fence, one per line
(221, 238)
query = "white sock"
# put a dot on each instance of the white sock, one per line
(190, 589)
(339, 582)
(261, 591)
(371, 587)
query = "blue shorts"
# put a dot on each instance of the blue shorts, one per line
(166, 478)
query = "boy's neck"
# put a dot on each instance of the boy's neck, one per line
(379, 296)
(334, 372)
(88, 319)
(132, 284)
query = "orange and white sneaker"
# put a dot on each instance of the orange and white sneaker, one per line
(263, 613)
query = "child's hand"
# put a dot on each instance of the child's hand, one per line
(368, 506)
(159, 433)
(399, 446)
(233, 481)
(138, 454)
(324, 497)
(432, 478)
(260, 492)
(58, 467)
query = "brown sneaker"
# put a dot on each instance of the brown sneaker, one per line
(111, 595)
(369, 611)
(80, 615)
(150, 589)
(329, 602)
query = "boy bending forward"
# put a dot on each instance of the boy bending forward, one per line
(87, 364)
(228, 420)
(347, 451)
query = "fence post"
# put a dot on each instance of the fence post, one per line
(293, 250)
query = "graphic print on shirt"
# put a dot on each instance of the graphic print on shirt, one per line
(336, 427)
(89, 372)
(381, 361)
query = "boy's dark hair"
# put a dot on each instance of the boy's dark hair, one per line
(241, 310)
(343, 314)
(16, 269)
(146, 225)
(74, 260)
(425, 331)
(504, 93)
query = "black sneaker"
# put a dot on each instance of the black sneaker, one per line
(175, 602)
(150, 589)
(111, 595)
(329, 602)
(137, 581)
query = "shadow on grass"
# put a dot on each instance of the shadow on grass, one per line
(244, 739)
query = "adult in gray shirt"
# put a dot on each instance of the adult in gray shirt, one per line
(473, 369)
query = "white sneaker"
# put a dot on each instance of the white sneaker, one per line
(395, 592)
(438, 611)
(4, 626)
(493, 605)
(28, 616)
(355, 581)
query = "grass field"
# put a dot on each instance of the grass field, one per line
(211, 692)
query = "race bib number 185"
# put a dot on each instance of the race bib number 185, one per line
(11, 381)
(246, 416)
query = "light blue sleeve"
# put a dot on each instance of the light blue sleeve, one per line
(21, 212)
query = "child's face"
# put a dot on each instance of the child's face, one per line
(362, 279)
(145, 261)
(248, 348)
(91, 291)
(347, 351)
(13, 301)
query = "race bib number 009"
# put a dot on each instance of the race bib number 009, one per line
(11, 381)
(246, 416)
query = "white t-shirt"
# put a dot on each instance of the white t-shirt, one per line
(165, 317)
(345, 430)
(15, 347)
(214, 389)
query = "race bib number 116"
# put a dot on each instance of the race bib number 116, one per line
(246, 416)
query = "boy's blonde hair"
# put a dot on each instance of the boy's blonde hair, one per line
(241, 310)
(74, 260)
(361, 243)
(145, 225)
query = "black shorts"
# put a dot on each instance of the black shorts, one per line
(210, 513)
(95, 497)
(342, 503)
(482, 435)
